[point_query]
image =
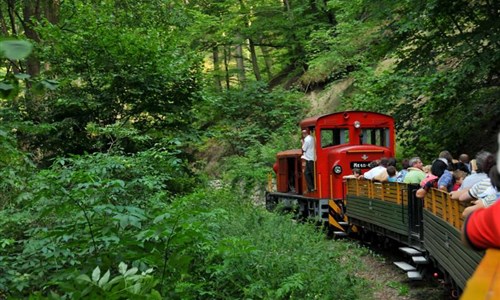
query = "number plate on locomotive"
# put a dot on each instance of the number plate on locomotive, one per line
(360, 164)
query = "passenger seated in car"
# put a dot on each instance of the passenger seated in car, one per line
(482, 165)
(439, 170)
(370, 174)
(482, 194)
(356, 172)
(391, 172)
(415, 173)
(481, 228)
(400, 177)
(458, 176)
(383, 176)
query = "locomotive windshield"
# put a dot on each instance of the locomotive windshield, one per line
(375, 136)
(334, 137)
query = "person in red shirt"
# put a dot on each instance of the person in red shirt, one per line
(482, 228)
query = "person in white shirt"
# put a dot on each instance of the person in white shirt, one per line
(373, 172)
(308, 154)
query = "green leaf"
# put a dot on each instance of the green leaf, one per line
(161, 217)
(122, 268)
(22, 76)
(16, 49)
(83, 278)
(155, 295)
(136, 288)
(104, 279)
(6, 242)
(96, 274)
(130, 272)
(6, 86)
(50, 84)
(108, 286)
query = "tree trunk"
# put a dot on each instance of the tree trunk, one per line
(267, 61)
(332, 19)
(255, 63)
(217, 72)
(226, 65)
(3, 24)
(31, 9)
(240, 64)
(51, 10)
(12, 16)
(286, 3)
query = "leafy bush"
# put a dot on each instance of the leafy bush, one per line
(260, 255)
(86, 211)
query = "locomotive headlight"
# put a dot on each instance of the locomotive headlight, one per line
(357, 124)
(337, 169)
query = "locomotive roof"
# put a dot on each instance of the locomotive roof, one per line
(292, 153)
(313, 121)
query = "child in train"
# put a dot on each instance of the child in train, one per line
(391, 174)
(459, 177)
(355, 174)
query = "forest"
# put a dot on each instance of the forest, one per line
(136, 137)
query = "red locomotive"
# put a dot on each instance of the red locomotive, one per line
(343, 141)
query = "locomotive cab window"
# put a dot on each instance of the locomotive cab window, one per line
(375, 136)
(334, 136)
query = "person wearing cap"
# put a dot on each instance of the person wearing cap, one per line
(308, 155)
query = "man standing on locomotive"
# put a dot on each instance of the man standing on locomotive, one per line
(308, 154)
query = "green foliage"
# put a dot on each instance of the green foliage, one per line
(129, 284)
(446, 57)
(276, 259)
(79, 222)
(121, 222)
(114, 69)
(250, 116)
(334, 52)
(15, 169)
(87, 211)
(252, 170)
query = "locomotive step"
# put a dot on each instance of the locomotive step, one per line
(419, 260)
(410, 251)
(343, 224)
(414, 275)
(339, 234)
(404, 266)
